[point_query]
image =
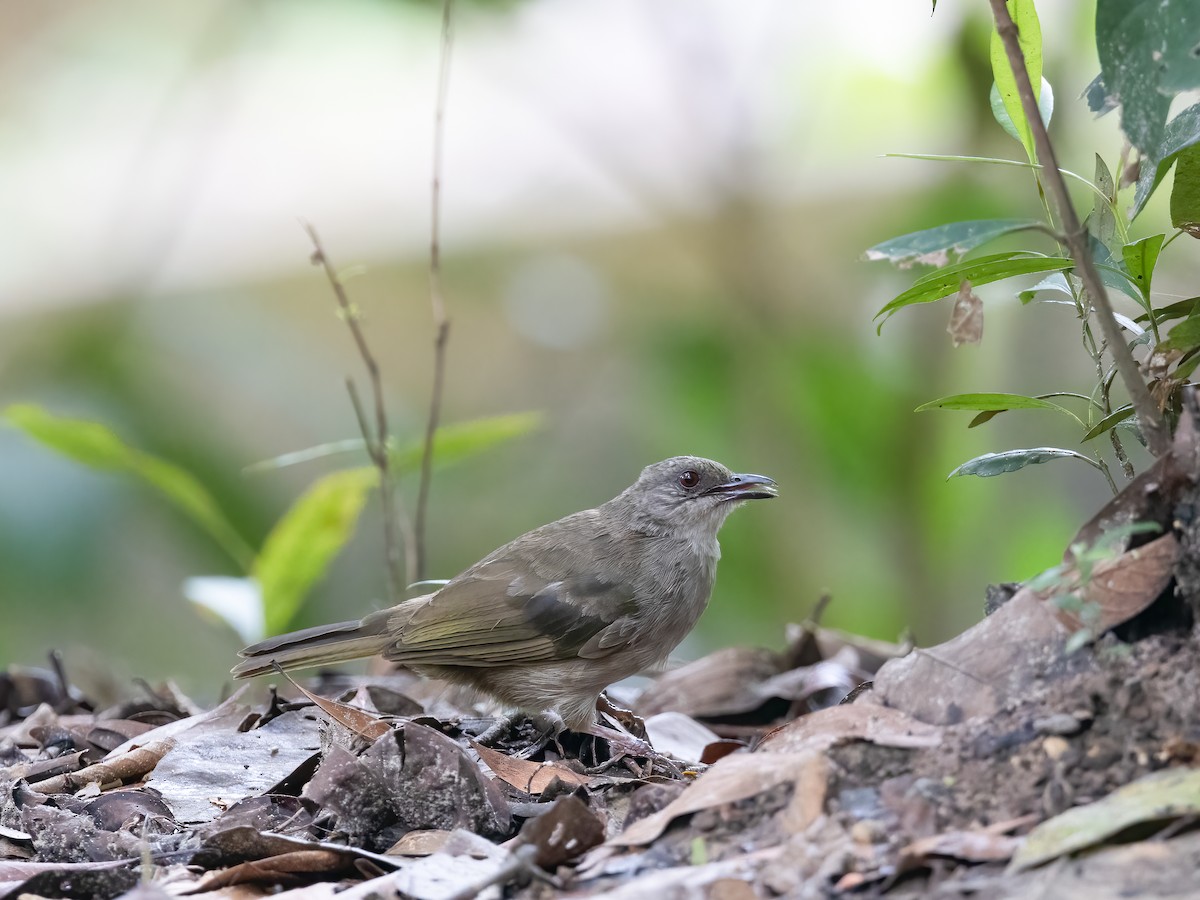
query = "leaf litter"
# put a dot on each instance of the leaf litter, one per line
(834, 765)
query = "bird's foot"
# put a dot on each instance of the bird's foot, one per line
(626, 718)
(496, 730)
(544, 731)
(626, 745)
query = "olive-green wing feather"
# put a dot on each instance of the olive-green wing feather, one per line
(517, 606)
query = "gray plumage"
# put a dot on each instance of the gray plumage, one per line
(546, 622)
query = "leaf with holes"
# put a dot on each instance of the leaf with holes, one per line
(943, 244)
(991, 464)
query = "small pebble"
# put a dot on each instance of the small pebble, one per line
(1055, 747)
(866, 831)
(1058, 723)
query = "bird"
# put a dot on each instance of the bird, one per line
(548, 621)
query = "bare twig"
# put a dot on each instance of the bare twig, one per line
(441, 323)
(394, 523)
(1147, 412)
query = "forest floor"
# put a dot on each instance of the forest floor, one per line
(1052, 750)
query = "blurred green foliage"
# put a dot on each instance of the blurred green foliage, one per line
(735, 323)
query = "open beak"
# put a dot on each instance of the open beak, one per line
(746, 487)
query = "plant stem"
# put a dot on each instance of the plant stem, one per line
(1147, 412)
(376, 437)
(441, 322)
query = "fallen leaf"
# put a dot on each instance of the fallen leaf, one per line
(679, 735)
(211, 768)
(969, 846)
(526, 775)
(410, 778)
(564, 831)
(719, 684)
(353, 718)
(1120, 588)
(284, 869)
(976, 672)
(729, 780)
(1156, 797)
(827, 728)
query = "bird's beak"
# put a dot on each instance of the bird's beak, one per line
(746, 487)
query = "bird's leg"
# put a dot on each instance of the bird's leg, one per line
(549, 726)
(497, 729)
(622, 744)
(626, 718)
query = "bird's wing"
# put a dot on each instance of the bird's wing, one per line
(520, 606)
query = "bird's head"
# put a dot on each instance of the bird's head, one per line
(691, 493)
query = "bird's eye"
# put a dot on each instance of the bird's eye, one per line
(689, 479)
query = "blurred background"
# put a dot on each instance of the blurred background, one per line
(654, 219)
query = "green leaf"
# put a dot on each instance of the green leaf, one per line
(97, 446)
(1185, 192)
(1118, 277)
(302, 544)
(1145, 49)
(937, 246)
(1000, 114)
(1011, 460)
(454, 443)
(1029, 33)
(1055, 282)
(1181, 132)
(1184, 336)
(1102, 221)
(983, 270)
(1140, 259)
(1179, 310)
(1154, 798)
(1109, 421)
(992, 402)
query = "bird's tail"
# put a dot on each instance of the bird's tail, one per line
(319, 646)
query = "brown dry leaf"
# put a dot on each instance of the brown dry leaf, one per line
(729, 780)
(1121, 588)
(526, 775)
(969, 846)
(564, 831)
(809, 644)
(286, 868)
(720, 749)
(426, 842)
(423, 842)
(976, 672)
(719, 684)
(353, 718)
(826, 728)
(966, 318)
(127, 767)
(411, 778)
(731, 889)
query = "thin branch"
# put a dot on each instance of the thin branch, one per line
(441, 323)
(1147, 412)
(376, 438)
